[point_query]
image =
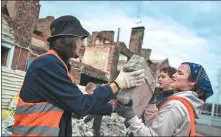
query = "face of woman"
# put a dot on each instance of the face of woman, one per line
(78, 43)
(180, 79)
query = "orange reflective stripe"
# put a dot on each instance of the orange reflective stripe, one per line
(48, 119)
(190, 111)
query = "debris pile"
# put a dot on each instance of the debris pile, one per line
(8, 117)
(111, 126)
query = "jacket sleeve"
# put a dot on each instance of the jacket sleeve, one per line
(52, 84)
(165, 124)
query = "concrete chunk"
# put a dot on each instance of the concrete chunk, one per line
(142, 94)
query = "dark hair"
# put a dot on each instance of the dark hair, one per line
(169, 70)
(64, 46)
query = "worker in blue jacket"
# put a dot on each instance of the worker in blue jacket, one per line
(48, 96)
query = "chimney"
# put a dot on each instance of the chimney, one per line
(107, 35)
(145, 53)
(94, 37)
(136, 39)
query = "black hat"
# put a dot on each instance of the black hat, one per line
(67, 25)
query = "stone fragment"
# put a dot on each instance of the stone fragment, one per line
(110, 126)
(142, 94)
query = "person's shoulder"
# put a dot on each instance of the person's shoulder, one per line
(47, 58)
(177, 106)
(44, 60)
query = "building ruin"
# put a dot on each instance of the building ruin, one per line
(25, 38)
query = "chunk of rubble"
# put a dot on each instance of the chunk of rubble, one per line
(110, 126)
(142, 94)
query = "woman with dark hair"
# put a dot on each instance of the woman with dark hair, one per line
(176, 116)
(48, 96)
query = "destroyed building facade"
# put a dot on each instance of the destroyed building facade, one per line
(25, 38)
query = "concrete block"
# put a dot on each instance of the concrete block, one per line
(142, 94)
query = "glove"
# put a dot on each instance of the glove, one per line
(125, 111)
(130, 79)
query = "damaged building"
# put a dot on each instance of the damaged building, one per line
(24, 37)
(102, 52)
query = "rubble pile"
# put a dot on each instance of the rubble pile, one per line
(8, 117)
(111, 126)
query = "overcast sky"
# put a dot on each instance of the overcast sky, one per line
(178, 30)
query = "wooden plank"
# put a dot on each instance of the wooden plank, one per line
(6, 96)
(11, 85)
(10, 82)
(6, 74)
(10, 89)
(17, 72)
(9, 92)
(12, 79)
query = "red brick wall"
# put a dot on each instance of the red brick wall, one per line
(25, 20)
(20, 58)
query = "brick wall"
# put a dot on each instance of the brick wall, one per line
(108, 35)
(97, 56)
(43, 25)
(24, 15)
(94, 37)
(78, 68)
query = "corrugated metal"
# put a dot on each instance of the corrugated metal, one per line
(11, 83)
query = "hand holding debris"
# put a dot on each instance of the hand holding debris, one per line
(130, 79)
(125, 110)
(142, 94)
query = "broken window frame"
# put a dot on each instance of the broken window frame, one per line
(11, 48)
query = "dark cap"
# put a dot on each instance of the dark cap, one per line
(67, 25)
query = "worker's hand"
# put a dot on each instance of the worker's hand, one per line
(125, 111)
(130, 79)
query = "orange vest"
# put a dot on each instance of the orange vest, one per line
(38, 119)
(190, 112)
